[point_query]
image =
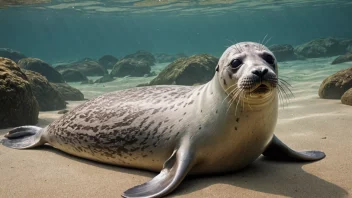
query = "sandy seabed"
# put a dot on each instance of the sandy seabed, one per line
(307, 123)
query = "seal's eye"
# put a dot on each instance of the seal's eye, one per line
(236, 63)
(269, 59)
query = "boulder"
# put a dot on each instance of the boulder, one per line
(86, 66)
(167, 58)
(104, 79)
(343, 58)
(49, 99)
(188, 71)
(41, 67)
(347, 97)
(11, 54)
(334, 86)
(18, 105)
(67, 92)
(322, 47)
(284, 52)
(108, 61)
(142, 56)
(130, 67)
(72, 75)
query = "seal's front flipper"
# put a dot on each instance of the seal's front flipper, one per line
(24, 137)
(174, 171)
(278, 150)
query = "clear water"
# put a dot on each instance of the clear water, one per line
(67, 30)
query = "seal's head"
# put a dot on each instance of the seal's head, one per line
(248, 69)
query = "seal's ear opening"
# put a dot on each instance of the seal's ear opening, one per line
(217, 68)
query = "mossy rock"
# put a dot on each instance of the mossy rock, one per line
(86, 66)
(49, 99)
(142, 55)
(188, 71)
(72, 75)
(322, 47)
(108, 61)
(37, 65)
(130, 67)
(334, 86)
(18, 105)
(343, 58)
(347, 97)
(11, 54)
(67, 92)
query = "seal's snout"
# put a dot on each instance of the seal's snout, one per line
(260, 72)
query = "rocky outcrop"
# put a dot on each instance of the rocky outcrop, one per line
(18, 105)
(72, 75)
(41, 67)
(347, 97)
(343, 58)
(188, 71)
(144, 56)
(323, 47)
(108, 61)
(67, 92)
(11, 54)
(284, 52)
(167, 58)
(130, 67)
(87, 67)
(334, 86)
(49, 99)
(105, 79)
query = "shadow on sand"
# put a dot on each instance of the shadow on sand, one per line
(267, 176)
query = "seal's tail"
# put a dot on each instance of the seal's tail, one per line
(24, 137)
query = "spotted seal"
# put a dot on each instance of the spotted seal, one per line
(220, 126)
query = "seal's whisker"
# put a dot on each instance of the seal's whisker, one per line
(286, 96)
(284, 85)
(268, 40)
(262, 42)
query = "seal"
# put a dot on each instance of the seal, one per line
(220, 126)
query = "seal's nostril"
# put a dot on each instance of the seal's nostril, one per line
(265, 70)
(256, 72)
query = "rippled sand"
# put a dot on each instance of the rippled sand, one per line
(307, 123)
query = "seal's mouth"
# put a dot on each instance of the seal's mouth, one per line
(261, 89)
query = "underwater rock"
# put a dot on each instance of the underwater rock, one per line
(343, 58)
(347, 97)
(334, 86)
(322, 47)
(108, 61)
(187, 71)
(37, 65)
(130, 67)
(104, 79)
(18, 105)
(284, 52)
(62, 111)
(166, 58)
(49, 99)
(87, 82)
(11, 54)
(142, 55)
(72, 75)
(68, 92)
(86, 66)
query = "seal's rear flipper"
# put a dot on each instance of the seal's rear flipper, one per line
(174, 171)
(24, 137)
(278, 150)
